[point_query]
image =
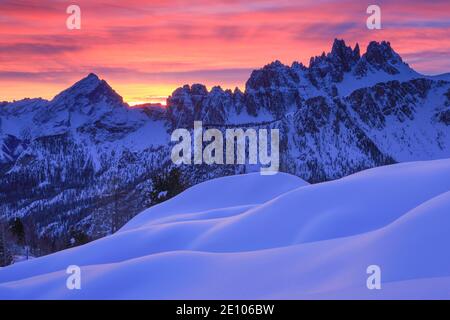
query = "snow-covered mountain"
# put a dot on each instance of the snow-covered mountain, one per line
(290, 240)
(85, 162)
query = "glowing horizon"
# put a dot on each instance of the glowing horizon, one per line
(147, 49)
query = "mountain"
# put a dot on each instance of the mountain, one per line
(81, 165)
(292, 240)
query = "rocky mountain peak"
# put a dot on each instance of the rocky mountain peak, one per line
(88, 91)
(381, 56)
(85, 85)
(341, 59)
(380, 51)
(275, 74)
(343, 55)
(199, 89)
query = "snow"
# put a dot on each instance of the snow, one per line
(245, 118)
(351, 83)
(21, 258)
(258, 237)
(162, 194)
(152, 133)
(444, 76)
(428, 137)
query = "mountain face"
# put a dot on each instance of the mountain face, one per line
(81, 165)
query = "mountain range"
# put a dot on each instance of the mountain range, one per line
(81, 165)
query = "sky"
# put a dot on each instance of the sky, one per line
(146, 49)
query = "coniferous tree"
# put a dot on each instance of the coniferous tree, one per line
(166, 185)
(77, 238)
(5, 256)
(116, 193)
(17, 229)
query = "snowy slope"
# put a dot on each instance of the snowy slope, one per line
(351, 82)
(273, 237)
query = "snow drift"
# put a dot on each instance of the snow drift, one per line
(258, 237)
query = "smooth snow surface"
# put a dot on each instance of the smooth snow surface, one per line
(258, 237)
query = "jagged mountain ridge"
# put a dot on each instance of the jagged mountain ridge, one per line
(69, 162)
